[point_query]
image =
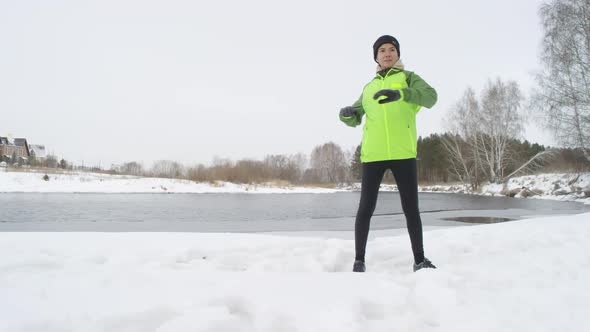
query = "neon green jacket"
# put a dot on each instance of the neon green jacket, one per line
(390, 129)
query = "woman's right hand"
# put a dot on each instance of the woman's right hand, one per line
(347, 112)
(391, 95)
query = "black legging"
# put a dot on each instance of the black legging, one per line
(404, 172)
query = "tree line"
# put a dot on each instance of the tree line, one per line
(329, 163)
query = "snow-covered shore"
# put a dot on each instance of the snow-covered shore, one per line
(553, 186)
(558, 186)
(83, 182)
(528, 275)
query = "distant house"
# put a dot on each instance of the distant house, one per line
(17, 147)
(37, 151)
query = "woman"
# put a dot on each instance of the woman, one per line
(390, 102)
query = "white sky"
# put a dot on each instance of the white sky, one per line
(113, 81)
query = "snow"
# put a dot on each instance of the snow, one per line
(527, 275)
(86, 182)
(555, 186)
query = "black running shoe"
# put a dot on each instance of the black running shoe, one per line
(425, 264)
(359, 266)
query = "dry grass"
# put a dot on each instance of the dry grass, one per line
(279, 183)
(39, 170)
(320, 185)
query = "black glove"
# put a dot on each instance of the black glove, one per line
(347, 112)
(392, 95)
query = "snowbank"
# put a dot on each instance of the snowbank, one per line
(81, 182)
(554, 186)
(566, 187)
(529, 275)
(570, 187)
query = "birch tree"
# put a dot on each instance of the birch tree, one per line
(563, 92)
(498, 120)
(329, 161)
(460, 143)
(481, 132)
(167, 169)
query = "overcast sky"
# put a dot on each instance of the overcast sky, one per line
(114, 81)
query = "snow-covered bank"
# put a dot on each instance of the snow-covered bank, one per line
(554, 186)
(82, 182)
(529, 275)
(574, 186)
(568, 187)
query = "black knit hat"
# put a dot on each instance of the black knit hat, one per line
(385, 39)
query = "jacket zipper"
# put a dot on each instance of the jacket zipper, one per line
(386, 121)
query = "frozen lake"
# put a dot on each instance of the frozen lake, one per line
(249, 212)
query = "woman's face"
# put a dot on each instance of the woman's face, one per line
(387, 56)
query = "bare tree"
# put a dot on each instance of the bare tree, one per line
(536, 162)
(329, 162)
(132, 168)
(300, 162)
(283, 167)
(481, 132)
(248, 171)
(461, 143)
(277, 165)
(563, 92)
(167, 169)
(461, 160)
(499, 120)
(200, 173)
(222, 169)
